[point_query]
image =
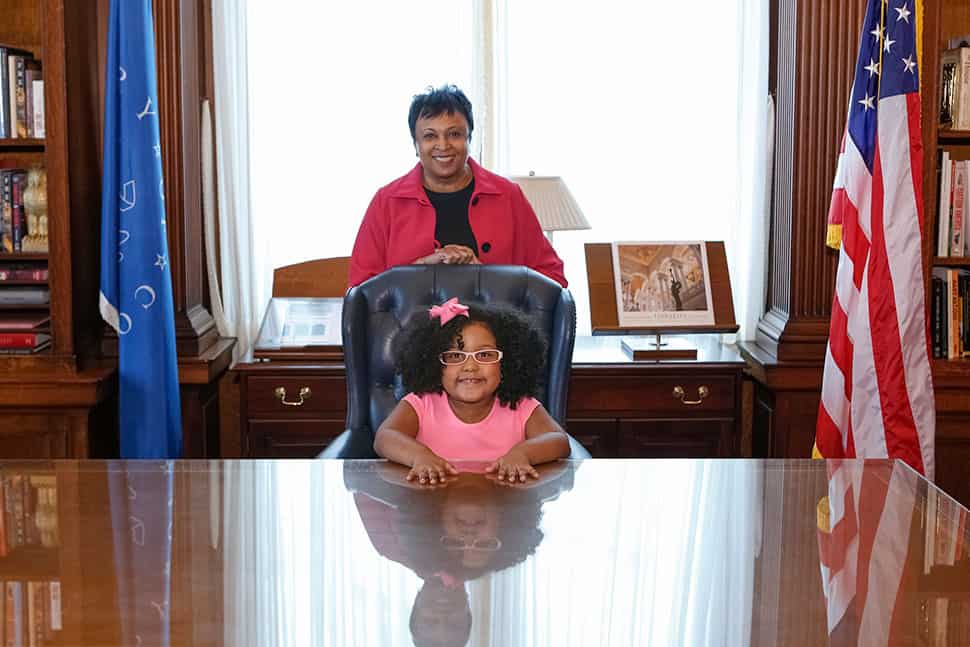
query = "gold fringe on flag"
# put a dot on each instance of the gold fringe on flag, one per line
(823, 515)
(833, 237)
(919, 43)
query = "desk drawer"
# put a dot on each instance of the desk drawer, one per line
(320, 395)
(654, 395)
(291, 438)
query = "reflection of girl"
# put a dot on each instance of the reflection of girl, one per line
(472, 527)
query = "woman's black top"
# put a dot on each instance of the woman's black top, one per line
(451, 222)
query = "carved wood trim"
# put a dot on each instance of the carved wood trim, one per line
(180, 80)
(815, 55)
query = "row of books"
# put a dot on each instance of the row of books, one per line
(13, 219)
(32, 613)
(955, 85)
(947, 620)
(953, 215)
(24, 272)
(24, 333)
(29, 512)
(21, 95)
(950, 303)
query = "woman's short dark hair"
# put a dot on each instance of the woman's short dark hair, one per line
(522, 344)
(434, 101)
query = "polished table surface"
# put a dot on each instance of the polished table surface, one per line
(601, 552)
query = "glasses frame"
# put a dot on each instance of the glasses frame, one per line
(473, 355)
(461, 543)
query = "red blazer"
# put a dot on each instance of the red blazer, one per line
(398, 227)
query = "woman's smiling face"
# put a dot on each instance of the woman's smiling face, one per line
(442, 145)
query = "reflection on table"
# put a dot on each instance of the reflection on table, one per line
(615, 552)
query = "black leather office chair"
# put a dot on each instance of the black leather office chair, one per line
(375, 311)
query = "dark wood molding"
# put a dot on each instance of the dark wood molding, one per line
(54, 391)
(182, 73)
(207, 367)
(813, 60)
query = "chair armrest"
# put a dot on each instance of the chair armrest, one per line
(576, 450)
(351, 444)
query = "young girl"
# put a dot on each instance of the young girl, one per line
(472, 375)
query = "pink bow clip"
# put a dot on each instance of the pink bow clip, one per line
(448, 310)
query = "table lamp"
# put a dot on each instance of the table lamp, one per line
(553, 203)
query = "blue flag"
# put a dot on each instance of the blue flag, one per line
(136, 283)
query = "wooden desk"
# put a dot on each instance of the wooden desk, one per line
(617, 407)
(335, 553)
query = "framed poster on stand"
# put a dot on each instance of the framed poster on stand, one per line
(653, 288)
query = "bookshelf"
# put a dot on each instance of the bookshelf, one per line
(53, 400)
(944, 20)
(39, 565)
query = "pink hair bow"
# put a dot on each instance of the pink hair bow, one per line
(448, 310)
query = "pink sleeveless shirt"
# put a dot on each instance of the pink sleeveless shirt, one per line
(442, 432)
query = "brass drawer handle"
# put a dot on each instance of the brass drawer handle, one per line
(702, 392)
(281, 396)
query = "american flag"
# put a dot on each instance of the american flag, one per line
(864, 548)
(877, 388)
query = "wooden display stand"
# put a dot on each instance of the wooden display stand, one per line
(605, 318)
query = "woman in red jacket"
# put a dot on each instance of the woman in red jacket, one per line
(448, 209)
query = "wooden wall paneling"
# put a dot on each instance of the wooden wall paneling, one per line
(56, 162)
(20, 24)
(180, 76)
(183, 50)
(816, 45)
(85, 72)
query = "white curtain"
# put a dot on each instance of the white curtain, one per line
(241, 304)
(656, 115)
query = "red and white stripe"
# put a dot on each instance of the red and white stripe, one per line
(877, 388)
(865, 552)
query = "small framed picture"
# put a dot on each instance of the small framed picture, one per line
(662, 284)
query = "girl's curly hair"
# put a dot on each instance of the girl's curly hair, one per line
(522, 344)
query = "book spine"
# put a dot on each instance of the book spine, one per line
(6, 203)
(953, 303)
(4, 94)
(15, 614)
(18, 340)
(38, 108)
(10, 617)
(962, 91)
(55, 599)
(12, 94)
(23, 275)
(21, 98)
(964, 288)
(959, 197)
(17, 205)
(31, 613)
(29, 100)
(943, 209)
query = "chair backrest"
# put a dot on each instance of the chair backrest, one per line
(376, 310)
(324, 277)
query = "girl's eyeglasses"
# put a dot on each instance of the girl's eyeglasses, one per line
(483, 356)
(458, 543)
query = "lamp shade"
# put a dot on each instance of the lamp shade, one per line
(553, 203)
